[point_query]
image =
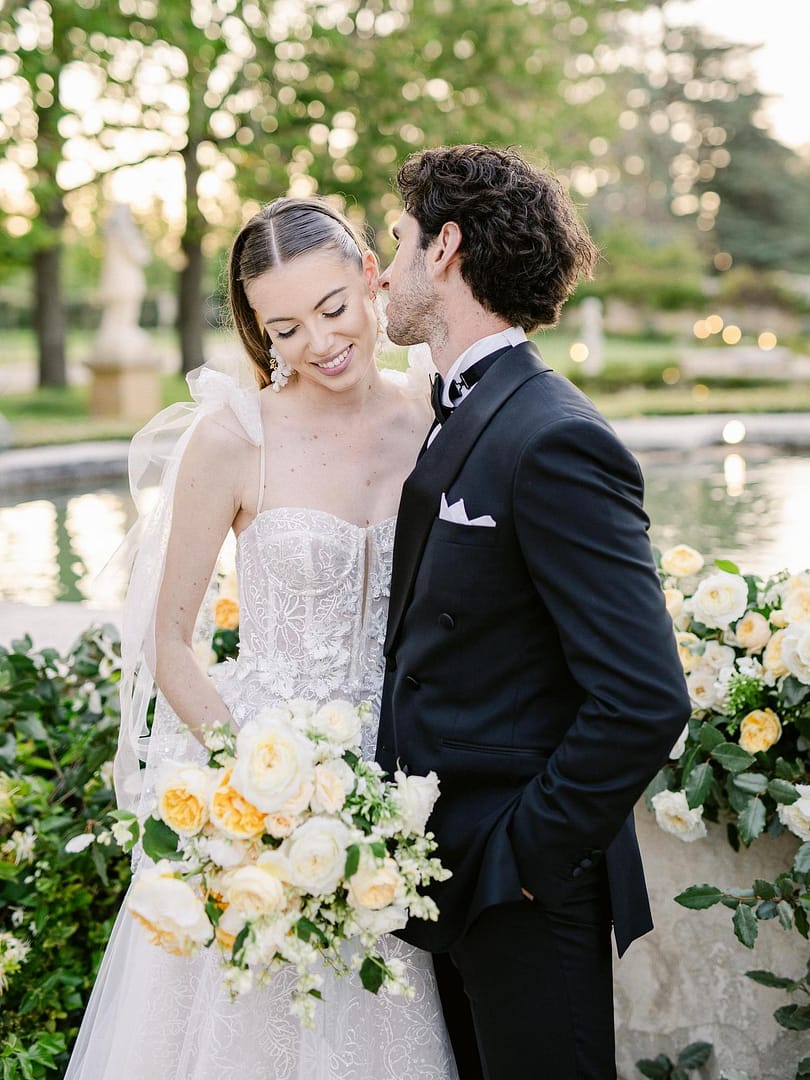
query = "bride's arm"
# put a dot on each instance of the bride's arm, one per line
(207, 499)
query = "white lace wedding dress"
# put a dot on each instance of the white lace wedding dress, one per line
(313, 602)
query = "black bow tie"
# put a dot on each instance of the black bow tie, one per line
(463, 381)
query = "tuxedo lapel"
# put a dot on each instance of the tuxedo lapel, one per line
(438, 467)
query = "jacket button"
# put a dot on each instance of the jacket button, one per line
(577, 871)
(412, 682)
(446, 620)
(586, 864)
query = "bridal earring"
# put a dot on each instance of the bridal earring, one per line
(382, 325)
(280, 373)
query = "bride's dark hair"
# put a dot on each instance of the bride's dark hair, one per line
(278, 233)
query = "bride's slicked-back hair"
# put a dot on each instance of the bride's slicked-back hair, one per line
(277, 234)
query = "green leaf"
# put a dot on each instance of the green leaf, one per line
(793, 692)
(801, 863)
(306, 929)
(765, 890)
(803, 1069)
(694, 1055)
(785, 915)
(753, 783)
(732, 757)
(698, 784)
(710, 737)
(239, 944)
(379, 849)
(659, 1069)
(699, 897)
(745, 926)
(213, 911)
(802, 925)
(159, 841)
(751, 821)
(793, 1017)
(782, 791)
(352, 860)
(767, 910)
(727, 565)
(767, 978)
(371, 973)
(679, 1074)
(658, 783)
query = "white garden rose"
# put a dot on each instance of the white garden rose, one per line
(753, 631)
(796, 817)
(681, 561)
(339, 722)
(680, 745)
(778, 618)
(796, 604)
(796, 650)
(170, 910)
(701, 685)
(718, 656)
(772, 657)
(298, 802)
(281, 825)
(673, 815)
(224, 852)
(720, 599)
(383, 921)
(253, 891)
(333, 780)
(674, 601)
(316, 854)
(415, 798)
(375, 884)
(273, 760)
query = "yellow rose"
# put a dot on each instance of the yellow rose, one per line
(182, 799)
(674, 602)
(253, 891)
(753, 631)
(689, 659)
(772, 657)
(760, 730)
(375, 885)
(226, 613)
(796, 605)
(777, 618)
(229, 586)
(681, 561)
(232, 813)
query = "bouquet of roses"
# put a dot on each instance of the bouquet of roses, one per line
(744, 643)
(283, 846)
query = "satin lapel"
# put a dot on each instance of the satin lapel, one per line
(438, 467)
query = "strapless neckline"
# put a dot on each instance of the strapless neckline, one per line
(343, 522)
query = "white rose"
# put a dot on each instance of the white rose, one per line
(223, 852)
(281, 825)
(681, 561)
(253, 891)
(718, 656)
(298, 802)
(680, 745)
(316, 854)
(375, 884)
(170, 910)
(702, 687)
(795, 652)
(383, 921)
(796, 605)
(332, 783)
(674, 602)
(415, 798)
(339, 722)
(674, 816)
(273, 760)
(720, 599)
(753, 631)
(796, 817)
(229, 586)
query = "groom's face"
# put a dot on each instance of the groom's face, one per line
(412, 301)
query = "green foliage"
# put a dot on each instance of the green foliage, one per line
(693, 1056)
(58, 731)
(663, 276)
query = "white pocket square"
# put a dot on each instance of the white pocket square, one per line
(457, 513)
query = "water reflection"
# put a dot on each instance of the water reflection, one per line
(752, 508)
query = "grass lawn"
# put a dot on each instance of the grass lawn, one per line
(631, 384)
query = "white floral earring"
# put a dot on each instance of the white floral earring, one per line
(280, 373)
(382, 325)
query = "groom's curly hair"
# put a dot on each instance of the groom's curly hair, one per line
(523, 247)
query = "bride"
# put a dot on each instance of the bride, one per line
(304, 461)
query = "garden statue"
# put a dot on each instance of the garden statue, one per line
(592, 335)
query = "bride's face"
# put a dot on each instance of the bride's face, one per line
(319, 314)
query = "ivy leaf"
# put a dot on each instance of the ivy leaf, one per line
(698, 784)
(745, 926)
(159, 841)
(751, 821)
(694, 1055)
(659, 1069)
(732, 757)
(776, 982)
(371, 973)
(782, 791)
(793, 1017)
(699, 897)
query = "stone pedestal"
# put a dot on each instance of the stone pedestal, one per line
(685, 982)
(129, 392)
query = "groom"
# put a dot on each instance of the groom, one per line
(530, 658)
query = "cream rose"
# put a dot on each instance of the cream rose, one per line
(332, 783)
(182, 797)
(674, 601)
(720, 599)
(681, 561)
(232, 814)
(701, 685)
(339, 722)
(316, 854)
(229, 586)
(273, 760)
(718, 656)
(415, 798)
(796, 817)
(760, 730)
(299, 802)
(280, 825)
(222, 851)
(796, 650)
(170, 910)
(253, 891)
(374, 884)
(673, 815)
(796, 605)
(687, 644)
(383, 921)
(753, 631)
(778, 618)
(772, 657)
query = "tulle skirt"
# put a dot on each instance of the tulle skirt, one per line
(154, 1016)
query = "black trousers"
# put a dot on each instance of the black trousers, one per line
(528, 992)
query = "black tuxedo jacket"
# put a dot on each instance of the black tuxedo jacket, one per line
(531, 664)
